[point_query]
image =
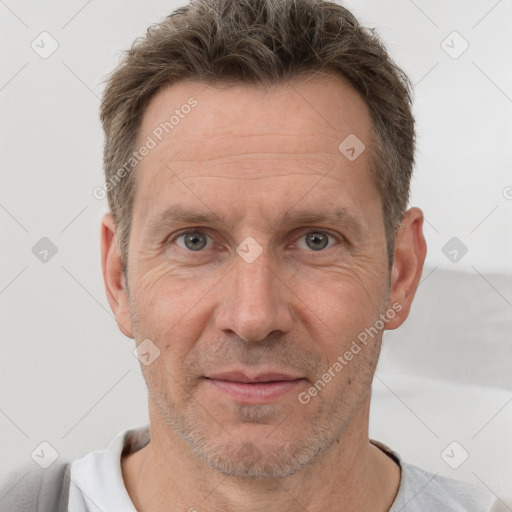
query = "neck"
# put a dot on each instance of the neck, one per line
(352, 474)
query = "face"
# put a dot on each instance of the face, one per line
(257, 252)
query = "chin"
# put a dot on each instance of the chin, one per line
(254, 456)
(259, 442)
(248, 460)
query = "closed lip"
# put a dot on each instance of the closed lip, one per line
(238, 376)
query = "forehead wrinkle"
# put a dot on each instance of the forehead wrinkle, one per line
(263, 156)
(257, 135)
(183, 170)
(225, 166)
(311, 160)
(251, 178)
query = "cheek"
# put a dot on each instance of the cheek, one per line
(168, 297)
(344, 299)
(341, 314)
(172, 316)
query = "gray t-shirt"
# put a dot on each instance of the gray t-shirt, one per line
(421, 491)
(97, 484)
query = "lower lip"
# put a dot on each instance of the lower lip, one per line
(256, 392)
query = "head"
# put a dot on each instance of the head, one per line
(258, 157)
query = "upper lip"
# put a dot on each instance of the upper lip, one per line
(238, 376)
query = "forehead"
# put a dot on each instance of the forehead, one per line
(249, 132)
(323, 108)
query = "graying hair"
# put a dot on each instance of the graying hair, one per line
(261, 42)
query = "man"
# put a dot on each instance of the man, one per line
(258, 158)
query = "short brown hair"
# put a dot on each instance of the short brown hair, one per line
(260, 42)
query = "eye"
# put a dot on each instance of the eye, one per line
(318, 240)
(192, 240)
(196, 240)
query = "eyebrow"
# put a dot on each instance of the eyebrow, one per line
(179, 214)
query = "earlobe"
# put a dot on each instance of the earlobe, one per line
(409, 257)
(113, 276)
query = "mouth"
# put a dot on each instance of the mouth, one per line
(260, 388)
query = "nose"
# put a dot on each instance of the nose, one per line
(255, 300)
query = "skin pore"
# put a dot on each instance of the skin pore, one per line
(256, 161)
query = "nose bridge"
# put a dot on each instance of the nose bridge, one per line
(254, 279)
(256, 303)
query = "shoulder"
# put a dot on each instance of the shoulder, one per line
(29, 486)
(421, 491)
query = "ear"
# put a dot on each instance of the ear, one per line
(113, 276)
(409, 256)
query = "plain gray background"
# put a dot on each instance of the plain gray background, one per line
(68, 376)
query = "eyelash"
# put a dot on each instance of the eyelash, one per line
(181, 233)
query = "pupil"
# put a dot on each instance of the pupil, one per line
(315, 238)
(193, 241)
